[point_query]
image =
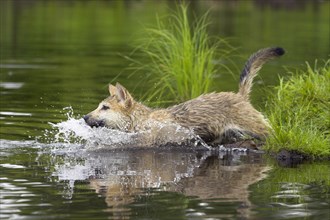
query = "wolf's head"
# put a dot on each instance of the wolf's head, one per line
(114, 111)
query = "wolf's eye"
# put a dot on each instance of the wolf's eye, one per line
(104, 107)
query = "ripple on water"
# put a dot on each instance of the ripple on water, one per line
(15, 114)
(295, 201)
(24, 66)
(11, 85)
(12, 166)
(17, 196)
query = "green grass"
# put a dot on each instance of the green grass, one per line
(299, 113)
(182, 57)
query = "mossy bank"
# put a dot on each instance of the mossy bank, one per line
(299, 113)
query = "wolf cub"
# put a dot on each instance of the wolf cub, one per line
(224, 117)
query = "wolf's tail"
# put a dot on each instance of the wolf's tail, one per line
(253, 65)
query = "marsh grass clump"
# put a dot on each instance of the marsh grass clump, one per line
(299, 113)
(182, 57)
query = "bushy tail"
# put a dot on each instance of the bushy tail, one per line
(253, 65)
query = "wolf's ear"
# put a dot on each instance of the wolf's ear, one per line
(112, 90)
(123, 96)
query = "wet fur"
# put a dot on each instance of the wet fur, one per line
(224, 117)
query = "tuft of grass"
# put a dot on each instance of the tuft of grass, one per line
(299, 113)
(182, 57)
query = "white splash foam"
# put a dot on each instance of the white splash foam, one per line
(78, 132)
(72, 128)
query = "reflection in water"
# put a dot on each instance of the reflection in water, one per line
(124, 177)
(60, 181)
(293, 201)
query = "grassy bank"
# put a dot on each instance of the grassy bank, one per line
(299, 112)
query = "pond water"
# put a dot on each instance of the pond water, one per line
(57, 58)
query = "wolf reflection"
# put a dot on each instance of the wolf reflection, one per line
(124, 176)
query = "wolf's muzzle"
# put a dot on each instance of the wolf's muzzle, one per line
(92, 122)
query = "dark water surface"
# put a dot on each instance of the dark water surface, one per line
(57, 58)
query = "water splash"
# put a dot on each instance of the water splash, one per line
(76, 131)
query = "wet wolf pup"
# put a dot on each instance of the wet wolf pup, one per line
(224, 117)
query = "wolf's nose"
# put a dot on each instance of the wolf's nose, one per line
(86, 117)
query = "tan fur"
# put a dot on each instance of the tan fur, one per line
(224, 117)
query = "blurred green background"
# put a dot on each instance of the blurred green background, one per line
(60, 53)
